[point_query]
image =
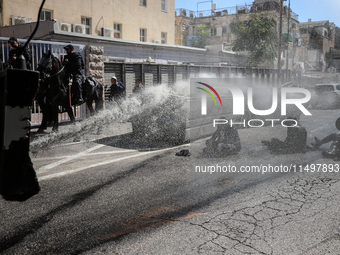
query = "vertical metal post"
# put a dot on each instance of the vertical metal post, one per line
(279, 50)
(287, 58)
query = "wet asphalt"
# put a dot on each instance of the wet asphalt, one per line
(108, 193)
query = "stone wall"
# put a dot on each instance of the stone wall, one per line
(94, 64)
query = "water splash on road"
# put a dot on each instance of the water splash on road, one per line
(161, 98)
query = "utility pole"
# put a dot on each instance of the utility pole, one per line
(279, 50)
(287, 59)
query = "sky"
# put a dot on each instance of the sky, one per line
(317, 10)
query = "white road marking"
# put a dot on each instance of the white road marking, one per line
(51, 176)
(86, 154)
(44, 168)
(49, 158)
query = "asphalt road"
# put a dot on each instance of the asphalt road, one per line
(114, 195)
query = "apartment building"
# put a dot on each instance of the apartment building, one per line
(219, 19)
(135, 20)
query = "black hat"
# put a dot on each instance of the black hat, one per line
(12, 39)
(69, 47)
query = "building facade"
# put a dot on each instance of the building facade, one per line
(318, 38)
(307, 42)
(219, 19)
(136, 20)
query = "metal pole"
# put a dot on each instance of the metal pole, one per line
(288, 43)
(279, 50)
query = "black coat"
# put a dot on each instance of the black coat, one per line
(26, 53)
(117, 92)
(75, 63)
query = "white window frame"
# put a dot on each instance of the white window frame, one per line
(142, 34)
(43, 13)
(164, 5)
(142, 2)
(117, 29)
(164, 37)
(87, 22)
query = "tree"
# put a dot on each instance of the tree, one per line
(201, 38)
(257, 36)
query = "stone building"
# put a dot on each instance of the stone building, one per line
(219, 19)
(136, 20)
(318, 38)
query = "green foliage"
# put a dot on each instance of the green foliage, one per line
(202, 37)
(257, 36)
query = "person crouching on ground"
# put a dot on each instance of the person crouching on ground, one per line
(295, 141)
(225, 141)
(334, 149)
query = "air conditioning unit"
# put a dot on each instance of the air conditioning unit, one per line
(79, 28)
(156, 41)
(15, 20)
(107, 32)
(65, 27)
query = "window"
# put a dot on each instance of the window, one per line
(213, 32)
(117, 30)
(142, 2)
(142, 34)
(163, 35)
(164, 6)
(87, 23)
(45, 15)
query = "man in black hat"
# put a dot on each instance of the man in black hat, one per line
(14, 53)
(74, 64)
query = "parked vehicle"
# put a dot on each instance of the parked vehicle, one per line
(326, 96)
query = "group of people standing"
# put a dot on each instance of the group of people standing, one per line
(118, 90)
(74, 64)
